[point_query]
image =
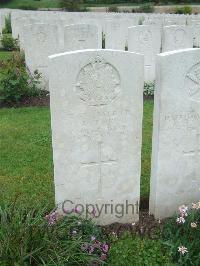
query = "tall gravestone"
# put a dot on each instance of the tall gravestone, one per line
(195, 25)
(82, 36)
(176, 38)
(40, 41)
(175, 177)
(96, 114)
(146, 40)
(116, 33)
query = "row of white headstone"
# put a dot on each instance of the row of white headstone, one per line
(96, 115)
(41, 40)
(44, 33)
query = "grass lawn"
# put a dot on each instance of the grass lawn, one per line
(26, 167)
(4, 55)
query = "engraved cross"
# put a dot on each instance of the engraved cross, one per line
(100, 162)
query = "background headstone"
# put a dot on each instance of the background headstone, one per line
(176, 38)
(40, 41)
(116, 33)
(81, 36)
(146, 40)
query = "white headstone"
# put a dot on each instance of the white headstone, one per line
(81, 36)
(96, 114)
(116, 33)
(195, 25)
(40, 41)
(175, 177)
(176, 38)
(146, 40)
(173, 19)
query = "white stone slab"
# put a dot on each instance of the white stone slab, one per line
(195, 25)
(176, 38)
(81, 36)
(146, 40)
(175, 177)
(116, 33)
(96, 114)
(40, 41)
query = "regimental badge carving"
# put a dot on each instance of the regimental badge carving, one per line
(98, 83)
(192, 82)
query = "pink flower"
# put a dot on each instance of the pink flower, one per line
(105, 248)
(183, 210)
(84, 246)
(91, 250)
(51, 218)
(97, 244)
(182, 250)
(93, 238)
(196, 205)
(193, 225)
(103, 257)
(180, 220)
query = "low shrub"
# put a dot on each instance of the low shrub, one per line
(7, 29)
(183, 10)
(71, 5)
(15, 82)
(27, 7)
(113, 9)
(149, 89)
(9, 43)
(146, 8)
(33, 237)
(182, 235)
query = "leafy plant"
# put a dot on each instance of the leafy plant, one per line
(182, 235)
(149, 89)
(8, 28)
(27, 7)
(132, 250)
(9, 43)
(28, 238)
(146, 8)
(113, 9)
(15, 83)
(183, 10)
(71, 5)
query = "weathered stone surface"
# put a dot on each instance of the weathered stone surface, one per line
(176, 38)
(146, 40)
(195, 25)
(96, 112)
(40, 41)
(116, 33)
(175, 177)
(81, 36)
